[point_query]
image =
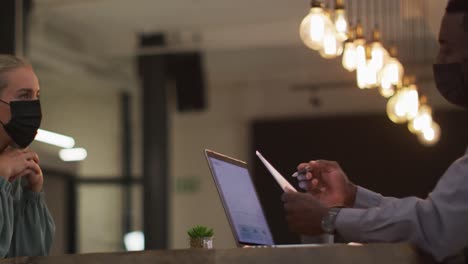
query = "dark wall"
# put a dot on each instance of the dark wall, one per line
(7, 25)
(374, 152)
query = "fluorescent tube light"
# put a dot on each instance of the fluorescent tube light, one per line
(55, 139)
(75, 154)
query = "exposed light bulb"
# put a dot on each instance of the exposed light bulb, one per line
(404, 105)
(341, 24)
(386, 88)
(371, 72)
(361, 76)
(313, 27)
(392, 73)
(361, 63)
(360, 44)
(412, 101)
(360, 52)
(332, 47)
(349, 56)
(422, 121)
(396, 108)
(378, 55)
(371, 76)
(349, 52)
(430, 135)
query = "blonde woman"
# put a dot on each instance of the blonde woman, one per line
(26, 226)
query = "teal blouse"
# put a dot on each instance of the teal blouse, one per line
(26, 226)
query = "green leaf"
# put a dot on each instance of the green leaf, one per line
(199, 231)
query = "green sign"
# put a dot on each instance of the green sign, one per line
(187, 184)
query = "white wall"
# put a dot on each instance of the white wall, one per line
(89, 111)
(88, 114)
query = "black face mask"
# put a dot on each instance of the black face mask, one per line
(452, 82)
(25, 120)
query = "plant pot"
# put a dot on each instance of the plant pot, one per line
(201, 242)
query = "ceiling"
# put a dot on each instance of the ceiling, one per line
(255, 40)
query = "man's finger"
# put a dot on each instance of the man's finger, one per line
(301, 169)
(288, 208)
(310, 186)
(302, 166)
(322, 164)
(327, 163)
(305, 177)
(305, 185)
(289, 196)
(290, 222)
(314, 183)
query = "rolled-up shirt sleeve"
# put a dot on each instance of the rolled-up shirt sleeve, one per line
(366, 198)
(437, 225)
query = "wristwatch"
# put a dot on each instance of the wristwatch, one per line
(328, 221)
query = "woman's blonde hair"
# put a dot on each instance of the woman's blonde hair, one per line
(8, 63)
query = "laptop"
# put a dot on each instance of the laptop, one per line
(240, 201)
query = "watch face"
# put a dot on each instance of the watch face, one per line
(326, 226)
(328, 222)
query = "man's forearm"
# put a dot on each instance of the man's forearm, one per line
(436, 224)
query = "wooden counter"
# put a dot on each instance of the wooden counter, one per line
(372, 253)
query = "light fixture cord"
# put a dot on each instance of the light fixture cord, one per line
(414, 33)
(349, 11)
(368, 28)
(425, 38)
(358, 11)
(389, 22)
(406, 30)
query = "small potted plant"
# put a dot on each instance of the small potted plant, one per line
(201, 237)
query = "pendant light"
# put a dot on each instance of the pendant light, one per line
(349, 53)
(313, 27)
(391, 75)
(340, 20)
(423, 119)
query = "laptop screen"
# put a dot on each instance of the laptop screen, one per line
(240, 200)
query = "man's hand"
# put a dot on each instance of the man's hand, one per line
(327, 182)
(304, 213)
(16, 163)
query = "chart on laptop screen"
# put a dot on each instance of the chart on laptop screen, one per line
(241, 202)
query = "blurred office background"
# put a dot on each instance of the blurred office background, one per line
(257, 86)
